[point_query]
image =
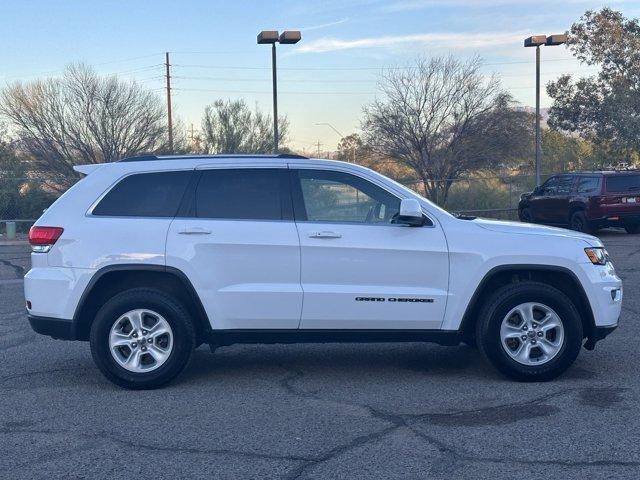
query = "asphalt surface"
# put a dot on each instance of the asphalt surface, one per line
(319, 411)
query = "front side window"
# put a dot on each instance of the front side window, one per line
(242, 194)
(550, 186)
(145, 195)
(328, 196)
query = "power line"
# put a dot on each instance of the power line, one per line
(265, 92)
(408, 67)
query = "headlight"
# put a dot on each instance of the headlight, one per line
(597, 255)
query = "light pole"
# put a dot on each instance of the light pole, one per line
(537, 41)
(272, 37)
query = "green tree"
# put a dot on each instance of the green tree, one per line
(231, 127)
(604, 108)
(20, 196)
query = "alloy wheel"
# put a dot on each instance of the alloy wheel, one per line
(532, 333)
(141, 340)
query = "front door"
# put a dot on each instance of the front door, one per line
(238, 245)
(359, 269)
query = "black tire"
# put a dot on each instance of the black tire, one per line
(632, 228)
(174, 313)
(498, 306)
(526, 215)
(579, 222)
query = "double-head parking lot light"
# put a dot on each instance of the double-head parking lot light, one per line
(272, 37)
(537, 41)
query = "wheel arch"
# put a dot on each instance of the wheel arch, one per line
(558, 277)
(113, 279)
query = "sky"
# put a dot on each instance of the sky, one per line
(327, 78)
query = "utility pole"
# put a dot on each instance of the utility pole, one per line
(318, 145)
(169, 121)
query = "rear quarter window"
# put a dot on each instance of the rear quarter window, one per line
(623, 183)
(145, 195)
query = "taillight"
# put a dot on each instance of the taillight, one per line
(43, 238)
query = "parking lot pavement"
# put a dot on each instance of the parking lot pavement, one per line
(319, 411)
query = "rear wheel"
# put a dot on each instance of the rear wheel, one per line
(632, 228)
(579, 222)
(142, 339)
(529, 331)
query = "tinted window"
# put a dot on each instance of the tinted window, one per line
(565, 185)
(145, 195)
(588, 185)
(340, 197)
(550, 186)
(242, 194)
(623, 183)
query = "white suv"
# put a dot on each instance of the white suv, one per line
(149, 257)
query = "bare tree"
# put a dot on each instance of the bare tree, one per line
(443, 119)
(82, 118)
(231, 127)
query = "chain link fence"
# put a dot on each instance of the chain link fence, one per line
(22, 200)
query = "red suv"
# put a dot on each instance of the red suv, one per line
(585, 201)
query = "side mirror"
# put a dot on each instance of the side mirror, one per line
(411, 212)
(538, 190)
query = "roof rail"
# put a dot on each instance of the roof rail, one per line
(144, 158)
(141, 158)
(291, 155)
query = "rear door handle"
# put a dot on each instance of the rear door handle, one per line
(194, 231)
(325, 234)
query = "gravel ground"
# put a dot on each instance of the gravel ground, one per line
(319, 411)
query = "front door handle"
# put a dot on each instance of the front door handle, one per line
(325, 234)
(194, 231)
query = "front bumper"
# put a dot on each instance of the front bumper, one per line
(58, 328)
(597, 334)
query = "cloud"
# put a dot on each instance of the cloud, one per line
(323, 25)
(450, 41)
(409, 5)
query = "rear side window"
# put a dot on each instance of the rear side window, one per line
(588, 185)
(623, 183)
(145, 195)
(243, 194)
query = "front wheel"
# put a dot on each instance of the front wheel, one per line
(529, 331)
(526, 215)
(142, 339)
(579, 222)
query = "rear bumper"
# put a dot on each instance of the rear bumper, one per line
(58, 328)
(616, 219)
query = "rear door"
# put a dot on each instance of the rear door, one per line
(359, 269)
(238, 244)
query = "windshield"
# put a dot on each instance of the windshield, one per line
(623, 183)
